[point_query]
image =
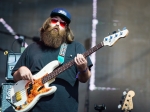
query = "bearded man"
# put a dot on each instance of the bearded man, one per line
(37, 64)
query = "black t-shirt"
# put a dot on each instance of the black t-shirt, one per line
(65, 99)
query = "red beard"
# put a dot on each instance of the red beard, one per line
(53, 37)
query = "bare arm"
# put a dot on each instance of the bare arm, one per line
(23, 73)
(84, 73)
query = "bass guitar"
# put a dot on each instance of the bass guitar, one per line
(24, 95)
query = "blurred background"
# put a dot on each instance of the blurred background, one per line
(125, 66)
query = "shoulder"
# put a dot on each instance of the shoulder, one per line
(35, 46)
(77, 44)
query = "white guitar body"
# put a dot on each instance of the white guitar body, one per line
(20, 87)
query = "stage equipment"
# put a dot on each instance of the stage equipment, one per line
(5, 105)
(12, 59)
(100, 107)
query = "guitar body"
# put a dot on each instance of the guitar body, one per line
(24, 95)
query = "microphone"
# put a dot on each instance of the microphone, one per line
(22, 41)
(100, 107)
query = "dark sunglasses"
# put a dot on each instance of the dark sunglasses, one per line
(55, 20)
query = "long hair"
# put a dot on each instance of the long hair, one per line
(69, 36)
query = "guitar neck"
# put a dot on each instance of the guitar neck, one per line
(93, 49)
(70, 63)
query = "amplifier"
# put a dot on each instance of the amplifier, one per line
(5, 105)
(12, 59)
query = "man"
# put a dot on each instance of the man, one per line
(54, 32)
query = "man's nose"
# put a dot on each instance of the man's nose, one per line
(58, 23)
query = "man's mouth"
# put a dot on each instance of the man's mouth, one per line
(56, 29)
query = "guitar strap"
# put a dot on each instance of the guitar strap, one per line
(62, 52)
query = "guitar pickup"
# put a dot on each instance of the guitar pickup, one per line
(18, 96)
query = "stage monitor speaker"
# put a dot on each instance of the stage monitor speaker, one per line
(5, 105)
(12, 59)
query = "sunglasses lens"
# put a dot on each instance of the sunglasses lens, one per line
(54, 20)
(62, 23)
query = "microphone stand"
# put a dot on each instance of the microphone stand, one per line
(34, 38)
(21, 40)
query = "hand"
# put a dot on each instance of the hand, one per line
(84, 73)
(23, 73)
(81, 62)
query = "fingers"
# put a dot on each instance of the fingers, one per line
(26, 74)
(28, 77)
(79, 59)
(81, 62)
(31, 79)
